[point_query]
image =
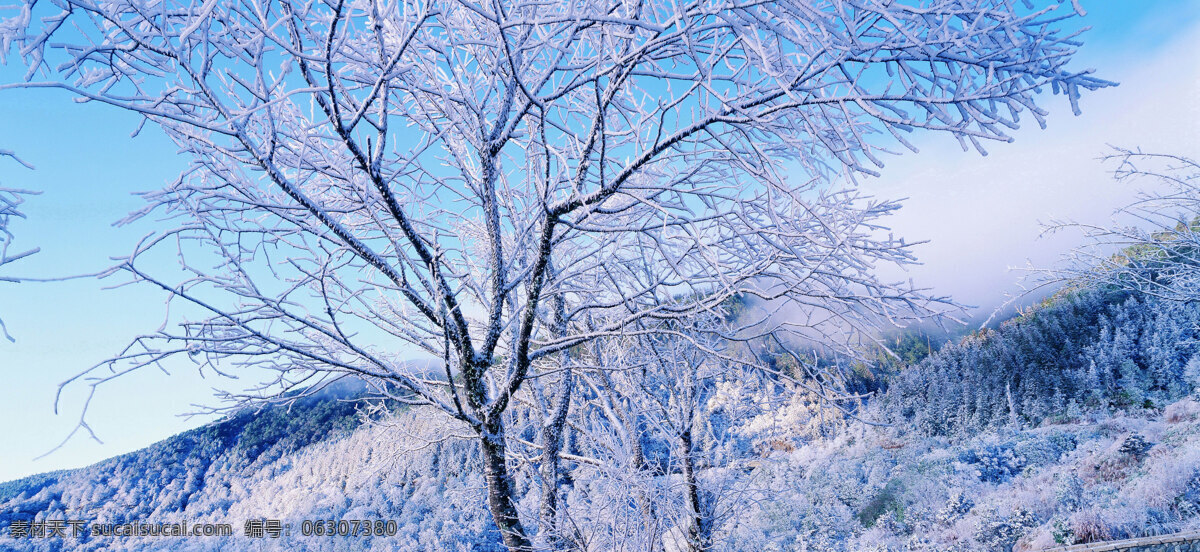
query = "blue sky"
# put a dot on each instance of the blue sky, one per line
(981, 215)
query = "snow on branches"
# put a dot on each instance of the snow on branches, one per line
(494, 184)
(1155, 247)
(10, 204)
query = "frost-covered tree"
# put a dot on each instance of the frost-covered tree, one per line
(10, 203)
(643, 414)
(493, 184)
(1155, 247)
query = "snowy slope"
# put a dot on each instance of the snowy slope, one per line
(1070, 424)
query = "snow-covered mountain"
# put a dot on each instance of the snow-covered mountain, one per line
(1072, 423)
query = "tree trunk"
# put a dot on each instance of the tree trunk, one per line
(551, 437)
(644, 502)
(699, 532)
(500, 488)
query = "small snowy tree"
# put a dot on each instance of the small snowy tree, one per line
(1155, 249)
(495, 183)
(1191, 374)
(651, 392)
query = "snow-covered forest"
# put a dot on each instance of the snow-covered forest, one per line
(602, 275)
(1075, 422)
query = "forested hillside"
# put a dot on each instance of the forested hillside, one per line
(1070, 423)
(1082, 351)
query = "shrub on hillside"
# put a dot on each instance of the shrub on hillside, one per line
(1042, 450)
(1182, 411)
(955, 508)
(993, 463)
(997, 532)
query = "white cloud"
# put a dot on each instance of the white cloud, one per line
(983, 215)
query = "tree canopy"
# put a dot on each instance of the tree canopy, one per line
(495, 184)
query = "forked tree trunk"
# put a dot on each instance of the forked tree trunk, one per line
(500, 489)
